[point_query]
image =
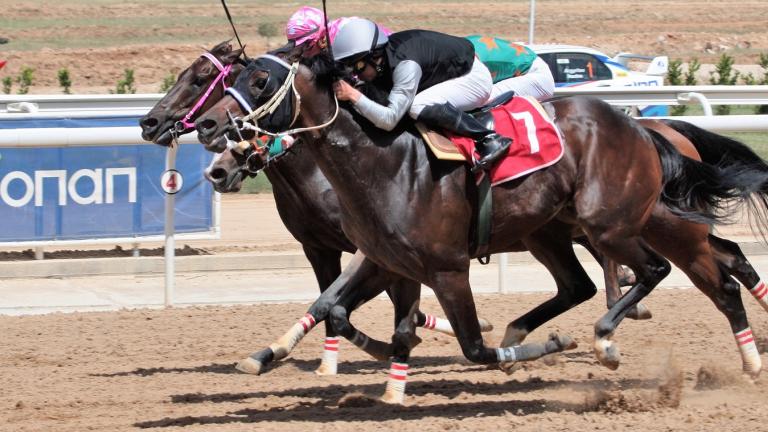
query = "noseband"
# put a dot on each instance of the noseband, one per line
(186, 124)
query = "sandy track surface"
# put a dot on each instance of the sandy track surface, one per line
(173, 369)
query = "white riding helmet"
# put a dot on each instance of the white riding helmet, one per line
(357, 37)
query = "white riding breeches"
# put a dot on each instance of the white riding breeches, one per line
(537, 82)
(466, 92)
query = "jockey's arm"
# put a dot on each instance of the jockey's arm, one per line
(405, 77)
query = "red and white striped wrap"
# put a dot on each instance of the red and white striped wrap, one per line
(760, 292)
(308, 322)
(398, 375)
(438, 324)
(750, 357)
(288, 341)
(329, 363)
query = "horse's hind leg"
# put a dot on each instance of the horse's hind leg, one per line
(729, 254)
(687, 245)
(551, 245)
(649, 268)
(615, 276)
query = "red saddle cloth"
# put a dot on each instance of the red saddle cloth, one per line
(536, 141)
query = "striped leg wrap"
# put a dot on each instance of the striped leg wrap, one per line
(398, 375)
(750, 357)
(760, 292)
(438, 324)
(330, 355)
(506, 354)
(288, 341)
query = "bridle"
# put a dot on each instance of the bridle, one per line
(275, 101)
(186, 124)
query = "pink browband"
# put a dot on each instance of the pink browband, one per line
(185, 124)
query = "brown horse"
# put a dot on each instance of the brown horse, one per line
(609, 184)
(295, 195)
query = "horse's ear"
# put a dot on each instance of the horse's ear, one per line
(289, 52)
(222, 48)
(232, 56)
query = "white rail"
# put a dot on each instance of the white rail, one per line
(663, 95)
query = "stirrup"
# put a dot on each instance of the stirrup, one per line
(487, 161)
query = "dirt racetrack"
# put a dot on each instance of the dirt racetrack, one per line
(173, 370)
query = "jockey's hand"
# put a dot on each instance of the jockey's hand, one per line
(345, 92)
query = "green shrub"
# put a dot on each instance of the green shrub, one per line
(125, 85)
(7, 85)
(168, 82)
(724, 75)
(64, 81)
(675, 76)
(25, 79)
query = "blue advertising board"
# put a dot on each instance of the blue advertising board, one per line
(70, 193)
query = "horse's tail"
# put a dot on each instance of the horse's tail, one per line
(732, 155)
(710, 193)
(717, 149)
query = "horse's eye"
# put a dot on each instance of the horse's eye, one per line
(260, 83)
(199, 81)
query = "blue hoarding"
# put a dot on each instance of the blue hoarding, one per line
(71, 193)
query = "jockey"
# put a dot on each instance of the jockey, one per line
(435, 77)
(514, 67)
(307, 26)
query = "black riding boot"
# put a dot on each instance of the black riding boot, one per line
(488, 143)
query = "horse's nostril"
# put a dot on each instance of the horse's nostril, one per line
(149, 122)
(206, 126)
(218, 174)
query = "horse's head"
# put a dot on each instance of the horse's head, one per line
(193, 93)
(263, 93)
(229, 169)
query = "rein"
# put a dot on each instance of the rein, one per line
(186, 124)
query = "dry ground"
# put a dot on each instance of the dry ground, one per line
(173, 370)
(98, 40)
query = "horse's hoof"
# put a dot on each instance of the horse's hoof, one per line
(564, 343)
(249, 366)
(510, 367)
(325, 369)
(607, 353)
(485, 326)
(626, 277)
(393, 398)
(639, 312)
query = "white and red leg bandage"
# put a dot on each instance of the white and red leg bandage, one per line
(760, 292)
(329, 364)
(398, 375)
(441, 325)
(750, 357)
(288, 341)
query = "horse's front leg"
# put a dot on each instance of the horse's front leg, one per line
(406, 300)
(318, 312)
(326, 264)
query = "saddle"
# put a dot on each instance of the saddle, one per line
(443, 148)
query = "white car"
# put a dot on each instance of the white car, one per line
(576, 66)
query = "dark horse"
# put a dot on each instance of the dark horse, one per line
(410, 215)
(298, 186)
